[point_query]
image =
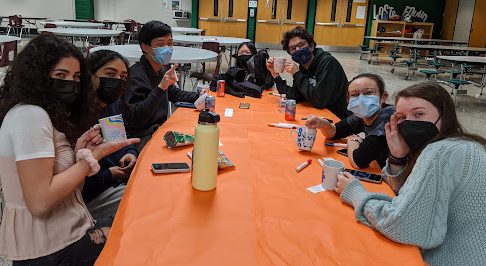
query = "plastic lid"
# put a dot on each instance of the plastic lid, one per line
(208, 117)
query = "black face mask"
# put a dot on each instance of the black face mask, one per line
(111, 89)
(417, 133)
(242, 60)
(67, 91)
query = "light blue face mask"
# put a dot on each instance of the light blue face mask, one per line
(364, 105)
(162, 55)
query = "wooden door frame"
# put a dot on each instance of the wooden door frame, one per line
(251, 21)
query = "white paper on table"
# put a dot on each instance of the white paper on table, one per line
(360, 12)
(316, 189)
(228, 112)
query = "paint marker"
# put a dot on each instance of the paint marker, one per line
(321, 162)
(332, 144)
(274, 94)
(282, 125)
(303, 165)
(328, 120)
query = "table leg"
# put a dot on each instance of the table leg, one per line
(181, 72)
(452, 70)
(230, 56)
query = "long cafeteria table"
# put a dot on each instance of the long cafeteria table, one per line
(259, 214)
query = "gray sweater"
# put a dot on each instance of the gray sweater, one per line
(440, 207)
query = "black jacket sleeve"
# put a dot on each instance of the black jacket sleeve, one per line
(344, 129)
(327, 89)
(144, 96)
(136, 114)
(131, 149)
(372, 148)
(178, 95)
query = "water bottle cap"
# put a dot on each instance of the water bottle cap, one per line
(207, 117)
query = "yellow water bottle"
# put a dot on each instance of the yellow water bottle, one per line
(205, 153)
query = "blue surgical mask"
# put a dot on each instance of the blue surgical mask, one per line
(364, 105)
(302, 56)
(162, 55)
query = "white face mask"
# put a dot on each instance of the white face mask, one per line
(364, 105)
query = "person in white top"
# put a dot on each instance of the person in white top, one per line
(45, 106)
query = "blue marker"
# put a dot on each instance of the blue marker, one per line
(332, 144)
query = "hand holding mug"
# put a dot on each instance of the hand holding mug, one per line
(343, 180)
(90, 139)
(313, 121)
(291, 67)
(270, 67)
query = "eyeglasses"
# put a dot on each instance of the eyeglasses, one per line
(365, 91)
(300, 45)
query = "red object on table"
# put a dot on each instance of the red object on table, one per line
(220, 89)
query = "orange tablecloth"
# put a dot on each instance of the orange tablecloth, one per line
(259, 214)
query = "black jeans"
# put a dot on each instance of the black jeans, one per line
(82, 252)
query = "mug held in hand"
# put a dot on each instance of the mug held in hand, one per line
(305, 138)
(329, 173)
(113, 128)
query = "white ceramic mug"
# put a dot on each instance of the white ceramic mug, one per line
(112, 128)
(329, 173)
(305, 137)
(279, 64)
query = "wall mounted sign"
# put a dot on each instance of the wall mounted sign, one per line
(360, 12)
(386, 11)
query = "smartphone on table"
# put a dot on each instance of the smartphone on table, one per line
(185, 105)
(365, 176)
(343, 152)
(244, 106)
(165, 168)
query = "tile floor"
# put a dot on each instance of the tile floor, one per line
(469, 108)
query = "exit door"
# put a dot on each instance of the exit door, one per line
(224, 17)
(275, 17)
(340, 22)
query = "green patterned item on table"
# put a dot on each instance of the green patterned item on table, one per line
(177, 139)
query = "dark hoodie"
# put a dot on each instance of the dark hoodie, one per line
(143, 84)
(323, 84)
